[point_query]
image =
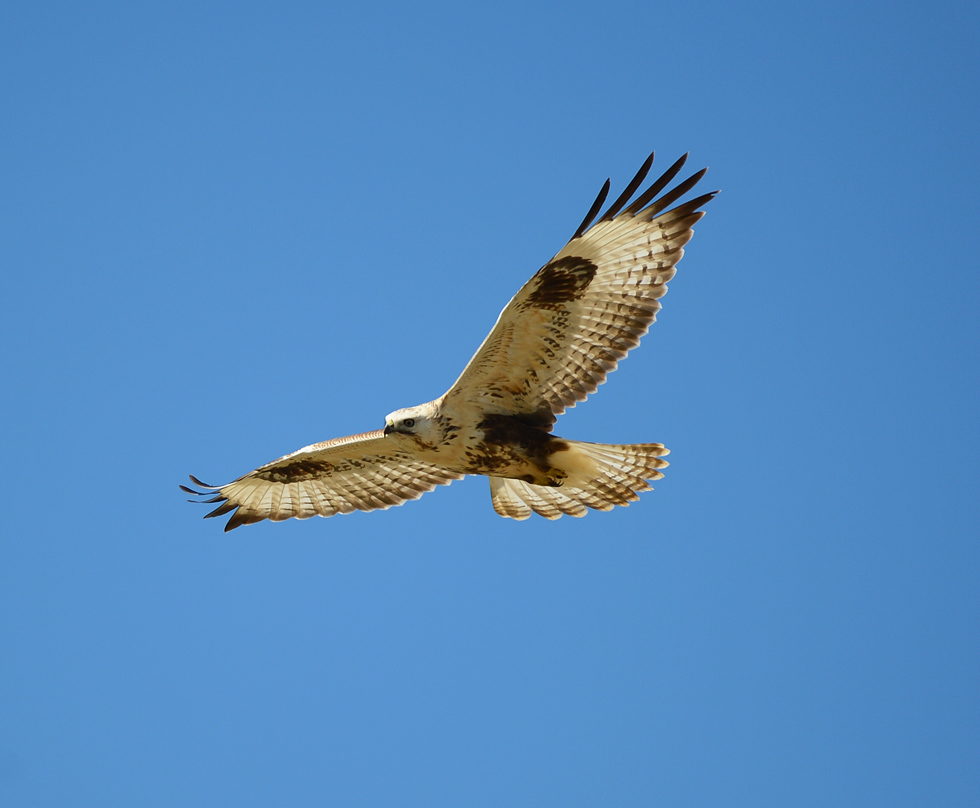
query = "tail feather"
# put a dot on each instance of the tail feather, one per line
(600, 476)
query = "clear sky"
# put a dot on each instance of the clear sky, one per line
(229, 230)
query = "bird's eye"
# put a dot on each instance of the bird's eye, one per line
(409, 422)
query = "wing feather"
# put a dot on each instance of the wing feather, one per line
(582, 312)
(358, 472)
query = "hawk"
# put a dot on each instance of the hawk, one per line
(552, 345)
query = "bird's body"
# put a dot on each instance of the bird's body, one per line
(552, 345)
(503, 445)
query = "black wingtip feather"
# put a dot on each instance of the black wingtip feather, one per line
(593, 211)
(644, 200)
(624, 197)
(211, 496)
(694, 204)
(222, 509)
(238, 519)
(674, 194)
(662, 182)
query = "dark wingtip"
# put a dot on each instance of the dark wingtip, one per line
(624, 197)
(238, 519)
(659, 184)
(594, 210)
(202, 484)
(652, 207)
(645, 199)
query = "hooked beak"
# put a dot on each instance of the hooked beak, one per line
(389, 428)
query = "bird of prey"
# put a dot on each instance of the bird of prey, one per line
(551, 346)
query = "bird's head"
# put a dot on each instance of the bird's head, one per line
(414, 423)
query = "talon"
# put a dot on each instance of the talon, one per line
(557, 478)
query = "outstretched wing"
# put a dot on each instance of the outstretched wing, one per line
(569, 326)
(359, 472)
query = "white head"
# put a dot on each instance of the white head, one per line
(418, 424)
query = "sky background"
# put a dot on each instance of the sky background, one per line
(229, 230)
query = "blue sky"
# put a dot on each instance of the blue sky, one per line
(230, 230)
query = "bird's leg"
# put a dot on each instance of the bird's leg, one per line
(550, 476)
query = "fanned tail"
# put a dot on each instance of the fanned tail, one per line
(600, 476)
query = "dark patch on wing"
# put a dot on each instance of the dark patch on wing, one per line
(297, 470)
(560, 282)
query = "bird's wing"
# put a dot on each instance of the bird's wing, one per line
(359, 472)
(569, 326)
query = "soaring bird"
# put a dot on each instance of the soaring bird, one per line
(552, 345)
